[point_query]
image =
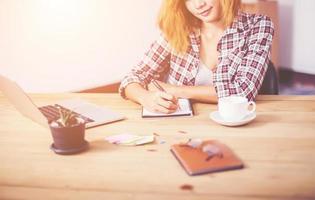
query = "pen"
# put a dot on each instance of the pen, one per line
(158, 86)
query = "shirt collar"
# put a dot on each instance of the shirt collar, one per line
(195, 40)
(240, 23)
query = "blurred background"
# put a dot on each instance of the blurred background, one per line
(89, 45)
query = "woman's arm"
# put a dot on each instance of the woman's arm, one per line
(243, 72)
(134, 85)
(205, 94)
(149, 66)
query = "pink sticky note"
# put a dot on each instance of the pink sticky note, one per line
(119, 138)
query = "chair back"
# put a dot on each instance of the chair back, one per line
(270, 84)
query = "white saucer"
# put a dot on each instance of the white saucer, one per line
(215, 116)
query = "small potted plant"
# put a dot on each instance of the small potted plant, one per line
(68, 133)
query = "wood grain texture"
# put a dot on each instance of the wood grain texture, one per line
(278, 149)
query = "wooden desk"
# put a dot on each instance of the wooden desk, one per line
(278, 149)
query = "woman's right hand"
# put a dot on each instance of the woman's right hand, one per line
(157, 101)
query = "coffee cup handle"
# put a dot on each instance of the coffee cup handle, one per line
(254, 107)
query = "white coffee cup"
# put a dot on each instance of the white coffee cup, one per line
(235, 108)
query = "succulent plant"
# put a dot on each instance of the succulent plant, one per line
(67, 118)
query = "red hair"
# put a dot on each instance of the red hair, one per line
(176, 22)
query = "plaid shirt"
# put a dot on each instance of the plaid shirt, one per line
(244, 53)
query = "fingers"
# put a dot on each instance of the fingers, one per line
(161, 109)
(168, 97)
(166, 103)
(160, 102)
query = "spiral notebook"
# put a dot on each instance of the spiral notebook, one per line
(185, 109)
(195, 161)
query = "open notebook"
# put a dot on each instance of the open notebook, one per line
(185, 109)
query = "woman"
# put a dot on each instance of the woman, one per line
(213, 51)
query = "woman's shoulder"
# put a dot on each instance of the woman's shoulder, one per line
(160, 41)
(248, 21)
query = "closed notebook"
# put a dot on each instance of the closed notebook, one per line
(185, 109)
(196, 162)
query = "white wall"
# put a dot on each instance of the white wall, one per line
(303, 36)
(68, 45)
(297, 42)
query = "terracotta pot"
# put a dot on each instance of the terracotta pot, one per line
(68, 140)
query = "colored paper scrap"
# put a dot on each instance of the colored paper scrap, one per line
(130, 139)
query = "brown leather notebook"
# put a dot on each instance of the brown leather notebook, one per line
(195, 160)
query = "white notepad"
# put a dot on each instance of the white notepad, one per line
(185, 109)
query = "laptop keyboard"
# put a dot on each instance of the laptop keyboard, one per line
(52, 113)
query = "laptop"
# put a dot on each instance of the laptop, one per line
(92, 114)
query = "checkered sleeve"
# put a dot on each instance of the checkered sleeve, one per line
(149, 65)
(248, 65)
